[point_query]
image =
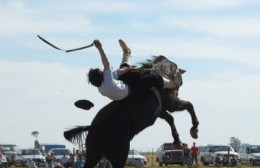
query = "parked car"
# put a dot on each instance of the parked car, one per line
(166, 154)
(8, 147)
(202, 150)
(26, 155)
(135, 158)
(224, 151)
(250, 154)
(9, 150)
(10, 156)
(3, 161)
(19, 161)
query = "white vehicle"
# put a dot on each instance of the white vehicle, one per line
(32, 154)
(250, 154)
(166, 154)
(202, 150)
(135, 159)
(10, 150)
(224, 151)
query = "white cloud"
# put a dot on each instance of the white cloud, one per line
(18, 18)
(197, 49)
(222, 27)
(202, 5)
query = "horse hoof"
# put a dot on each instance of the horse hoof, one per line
(194, 133)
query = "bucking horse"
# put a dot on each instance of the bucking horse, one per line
(115, 125)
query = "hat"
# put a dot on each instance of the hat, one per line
(84, 104)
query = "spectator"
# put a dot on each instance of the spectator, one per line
(64, 161)
(31, 164)
(194, 153)
(218, 160)
(186, 155)
(234, 161)
(50, 159)
(80, 162)
(72, 159)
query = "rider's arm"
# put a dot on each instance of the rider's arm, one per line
(104, 58)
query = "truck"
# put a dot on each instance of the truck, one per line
(166, 154)
(249, 154)
(45, 148)
(226, 152)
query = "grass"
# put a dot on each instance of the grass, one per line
(151, 163)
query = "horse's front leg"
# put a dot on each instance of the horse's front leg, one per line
(170, 120)
(186, 105)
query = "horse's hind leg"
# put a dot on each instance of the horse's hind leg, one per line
(93, 152)
(117, 153)
(91, 161)
(186, 105)
(170, 120)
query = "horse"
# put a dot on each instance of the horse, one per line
(116, 124)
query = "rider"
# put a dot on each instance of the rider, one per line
(110, 86)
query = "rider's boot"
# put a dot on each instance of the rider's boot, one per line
(126, 54)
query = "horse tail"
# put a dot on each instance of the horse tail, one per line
(77, 135)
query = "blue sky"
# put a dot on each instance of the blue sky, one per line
(216, 41)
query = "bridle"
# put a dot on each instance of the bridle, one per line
(157, 94)
(177, 72)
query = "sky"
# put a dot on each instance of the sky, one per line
(215, 41)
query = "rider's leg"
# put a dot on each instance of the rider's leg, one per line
(151, 80)
(126, 54)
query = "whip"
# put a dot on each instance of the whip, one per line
(80, 48)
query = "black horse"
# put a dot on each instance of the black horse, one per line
(116, 124)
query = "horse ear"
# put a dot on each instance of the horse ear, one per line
(182, 71)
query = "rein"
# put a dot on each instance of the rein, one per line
(157, 94)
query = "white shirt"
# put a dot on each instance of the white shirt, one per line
(111, 87)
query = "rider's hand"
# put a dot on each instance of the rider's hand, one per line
(97, 44)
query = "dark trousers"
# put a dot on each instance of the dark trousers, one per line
(145, 82)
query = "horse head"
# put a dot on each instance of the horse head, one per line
(161, 65)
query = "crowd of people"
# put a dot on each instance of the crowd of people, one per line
(219, 161)
(63, 162)
(190, 157)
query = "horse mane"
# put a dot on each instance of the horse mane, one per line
(161, 65)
